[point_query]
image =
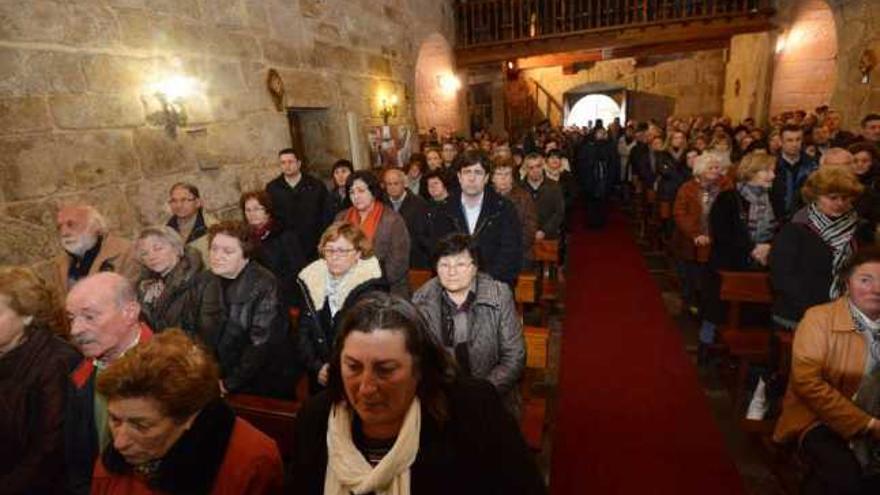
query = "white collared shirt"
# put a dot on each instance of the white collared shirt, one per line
(472, 213)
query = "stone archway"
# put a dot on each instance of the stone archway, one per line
(592, 107)
(806, 61)
(437, 87)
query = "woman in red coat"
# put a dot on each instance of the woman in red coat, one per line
(172, 434)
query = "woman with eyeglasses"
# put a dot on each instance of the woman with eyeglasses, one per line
(384, 228)
(475, 318)
(345, 270)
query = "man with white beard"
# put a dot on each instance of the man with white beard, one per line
(89, 247)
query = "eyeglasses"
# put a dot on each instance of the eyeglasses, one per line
(336, 251)
(458, 266)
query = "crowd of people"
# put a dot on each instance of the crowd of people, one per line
(311, 281)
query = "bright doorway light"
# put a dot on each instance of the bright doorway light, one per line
(592, 107)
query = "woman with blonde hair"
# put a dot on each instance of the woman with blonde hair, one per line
(808, 253)
(346, 269)
(34, 366)
(172, 433)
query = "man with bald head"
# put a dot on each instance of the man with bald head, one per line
(414, 210)
(89, 247)
(837, 157)
(104, 324)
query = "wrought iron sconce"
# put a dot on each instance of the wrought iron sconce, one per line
(389, 109)
(170, 94)
(866, 64)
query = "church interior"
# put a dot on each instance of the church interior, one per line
(663, 213)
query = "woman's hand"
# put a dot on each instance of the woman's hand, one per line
(874, 428)
(702, 240)
(761, 252)
(324, 374)
(223, 391)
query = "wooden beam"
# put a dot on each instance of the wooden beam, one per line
(615, 38)
(557, 59)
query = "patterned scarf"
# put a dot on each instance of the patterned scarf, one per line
(760, 219)
(837, 233)
(866, 449)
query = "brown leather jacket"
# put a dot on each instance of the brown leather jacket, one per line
(828, 362)
(687, 212)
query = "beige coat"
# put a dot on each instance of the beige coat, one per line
(828, 361)
(117, 255)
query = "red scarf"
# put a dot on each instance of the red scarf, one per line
(369, 224)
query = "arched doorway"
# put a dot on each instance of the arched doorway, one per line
(437, 87)
(592, 107)
(806, 59)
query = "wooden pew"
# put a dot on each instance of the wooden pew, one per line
(746, 345)
(534, 409)
(274, 417)
(418, 277)
(546, 255)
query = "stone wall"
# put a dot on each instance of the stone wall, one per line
(74, 98)
(857, 23)
(804, 75)
(748, 76)
(695, 80)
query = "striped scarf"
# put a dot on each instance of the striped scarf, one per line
(837, 233)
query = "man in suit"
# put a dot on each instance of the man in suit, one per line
(414, 210)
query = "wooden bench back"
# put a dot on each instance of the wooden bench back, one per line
(418, 277)
(546, 251)
(751, 287)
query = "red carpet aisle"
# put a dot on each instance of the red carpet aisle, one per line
(632, 417)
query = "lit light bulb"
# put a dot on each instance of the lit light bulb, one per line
(176, 87)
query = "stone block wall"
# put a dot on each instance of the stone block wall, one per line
(748, 76)
(857, 23)
(74, 98)
(695, 80)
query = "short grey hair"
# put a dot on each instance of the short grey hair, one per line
(94, 219)
(164, 233)
(838, 154)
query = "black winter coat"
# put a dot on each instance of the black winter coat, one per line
(414, 211)
(868, 207)
(478, 451)
(317, 329)
(800, 269)
(672, 173)
(33, 400)
(282, 255)
(731, 244)
(498, 234)
(190, 301)
(304, 209)
(597, 165)
(253, 347)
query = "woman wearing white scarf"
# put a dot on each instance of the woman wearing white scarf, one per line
(396, 418)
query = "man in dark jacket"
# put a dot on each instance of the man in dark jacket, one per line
(414, 210)
(104, 325)
(640, 162)
(597, 164)
(488, 217)
(792, 170)
(548, 197)
(300, 202)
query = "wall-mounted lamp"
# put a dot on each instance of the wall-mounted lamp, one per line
(780, 43)
(389, 109)
(448, 83)
(170, 93)
(866, 64)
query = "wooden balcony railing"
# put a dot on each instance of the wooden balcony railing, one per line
(487, 22)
